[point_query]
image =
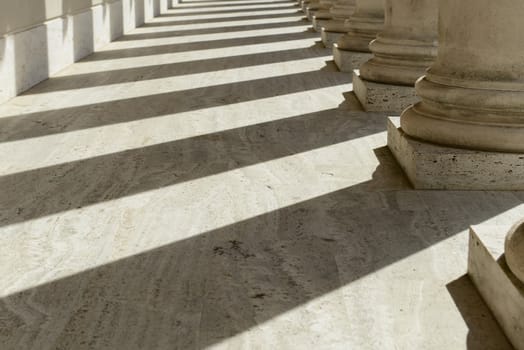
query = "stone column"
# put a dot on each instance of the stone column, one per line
(352, 49)
(468, 130)
(322, 15)
(320, 7)
(305, 3)
(401, 54)
(338, 25)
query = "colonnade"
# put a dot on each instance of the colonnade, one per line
(454, 71)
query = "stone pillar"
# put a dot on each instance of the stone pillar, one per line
(352, 49)
(401, 54)
(320, 7)
(468, 130)
(322, 16)
(305, 3)
(338, 25)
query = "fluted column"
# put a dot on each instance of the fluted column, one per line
(472, 97)
(408, 44)
(338, 25)
(401, 54)
(363, 26)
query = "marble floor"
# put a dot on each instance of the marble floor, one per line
(209, 182)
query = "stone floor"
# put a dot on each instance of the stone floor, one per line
(208, 182)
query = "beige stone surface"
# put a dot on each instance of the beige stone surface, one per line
(431, 166)
(501, 290)
(364, 25)
(22, 14)
(338, 24)
(343, 9)
(32, 55)
(329, 38)
(202, 184)
(319, 22)
(346, 61)
(514, 250)
(406, 46)
(375, 97)
(473, 95)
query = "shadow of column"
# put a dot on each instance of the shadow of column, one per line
(484, 331)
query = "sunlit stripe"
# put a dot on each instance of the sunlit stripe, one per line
(142, 88)
(189, 56)
(43, 151)
(198, 38)
(243, 6)
(170, 25)
(223, 27)
(273, 173)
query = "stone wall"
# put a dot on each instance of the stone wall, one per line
(39, 38)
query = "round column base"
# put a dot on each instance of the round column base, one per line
(403, 73)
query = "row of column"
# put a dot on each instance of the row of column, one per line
(458, 67)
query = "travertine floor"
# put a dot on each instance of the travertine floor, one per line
(201, 183)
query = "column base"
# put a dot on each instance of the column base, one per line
(347, 60)
(434, 167)
(310, 13)
(330, 38)
(318, 23)
(500, 289)
(376, 97)
(304, 7)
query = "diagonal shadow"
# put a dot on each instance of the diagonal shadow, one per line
(217, 4)
(216, 30)
(216, 12)
(195, 46)
(22, 126)
(484, 331)
(210, 2)
(118, 76)
(221, 19)
(202, 290)
(44, 191)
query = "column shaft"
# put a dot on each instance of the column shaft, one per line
(473, 95)
(406, 46)
(365, 23)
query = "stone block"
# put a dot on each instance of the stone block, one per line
(430, 166)
(500, 289)
(7, 68)
(330, 38)
(318, 23)
(376, 97)
(101, 26)
(310, 13)
(347, 61)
